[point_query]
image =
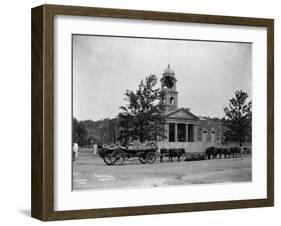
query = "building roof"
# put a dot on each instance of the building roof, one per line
(181, 113)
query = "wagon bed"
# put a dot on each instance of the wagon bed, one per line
(118, 154)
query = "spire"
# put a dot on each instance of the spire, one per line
(169, 53)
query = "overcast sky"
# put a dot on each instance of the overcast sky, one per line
(208, 73)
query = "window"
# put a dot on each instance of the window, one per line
(172, 100)
(204, 135)
(213, 135)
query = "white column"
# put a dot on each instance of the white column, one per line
(176, 132)
(186, 132)
(166, 127)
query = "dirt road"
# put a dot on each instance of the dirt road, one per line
(90, 172)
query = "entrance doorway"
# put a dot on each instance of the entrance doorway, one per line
(204, 135)
(171, 132)
(181, 132)
(190, 133)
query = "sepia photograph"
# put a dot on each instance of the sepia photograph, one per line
(157, 112)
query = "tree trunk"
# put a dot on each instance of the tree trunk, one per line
(141, 134)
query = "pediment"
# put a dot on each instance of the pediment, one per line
(182, 114)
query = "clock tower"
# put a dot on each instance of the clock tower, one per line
(168, 86)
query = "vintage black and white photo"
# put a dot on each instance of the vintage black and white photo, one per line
(151, 112)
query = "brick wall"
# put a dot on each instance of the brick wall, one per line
(211, 127)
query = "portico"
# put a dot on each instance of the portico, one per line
(181, 126)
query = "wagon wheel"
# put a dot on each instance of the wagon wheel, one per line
(150, 157)
(118, 157)
(107, 158)
(142, 158)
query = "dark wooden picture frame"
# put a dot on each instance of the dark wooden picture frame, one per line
(42, 203)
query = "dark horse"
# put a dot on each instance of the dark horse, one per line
(171, 153)
(236, 151)
(214, 152)
(211, 152)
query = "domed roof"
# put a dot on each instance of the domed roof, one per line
(169, 70)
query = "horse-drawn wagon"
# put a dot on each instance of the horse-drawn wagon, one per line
(116, 155)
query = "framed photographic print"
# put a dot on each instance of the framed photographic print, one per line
(141, 112)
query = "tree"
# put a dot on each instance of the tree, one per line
(238, 118)
(79, 132)
(75, 136)
(143, 116)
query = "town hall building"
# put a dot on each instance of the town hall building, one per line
(182, 128)
(180, 124)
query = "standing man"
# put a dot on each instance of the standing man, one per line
(95, 147)
(75, 151)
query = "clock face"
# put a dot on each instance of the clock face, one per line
(168, 82)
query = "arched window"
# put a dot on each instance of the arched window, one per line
(172, 100)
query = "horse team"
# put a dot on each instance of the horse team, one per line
(171, 153)
(210, 153)
(217, 152)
